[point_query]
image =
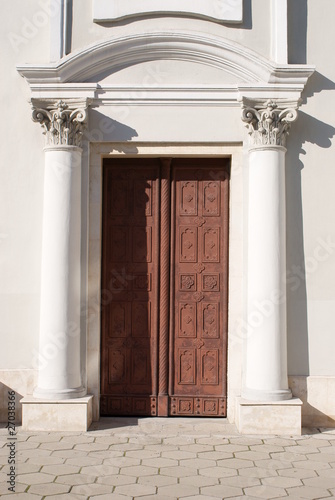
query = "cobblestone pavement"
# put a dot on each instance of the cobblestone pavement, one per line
(123, 459)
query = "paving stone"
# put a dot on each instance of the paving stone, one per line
(258, 472)
(286, 456)
(27, 445)
(309, 492)
(49, 489)
(279, 441)
(281, 481)
(273, 464)
(179, 440)
(45, 460)
(92, 489)
(23, 496)
(45, 437)
(326, 473)
(58, 470)
(221, 491)
(138, 470)
(320, 482)
(240, 481)
(197, 463)
(157, 480)
(162, 462)
(145, 440)
(298, 473)
(230, 448)
(266, 492)
(74, 479)
(19, 488)
(82, 439)
(301, 450)
(99, 470)
(160, 448)
(321, 457)
(27, 467)
(38, 452)
(179, 455)
(314, 442)
(133, 490)
(116, 480)
(36, 478)
(150, 497)
(122, 461)
(125, 447)
(111, 440)
(199, 481)
(68, 453)
(110, 496)
(213, 440)
(200, 497)
(214, 455)
(218, 472)
(197, 448)
(235, 463)
(177, 491)
(140, 454)
(82, 461)
(103, 455)
(267, 448)
(311, 464)
(252, 455)
(66, 497)
(247, 441)
(91, 447)
(53, 446)
(178, 471)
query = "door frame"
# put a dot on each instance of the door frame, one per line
(99, 151)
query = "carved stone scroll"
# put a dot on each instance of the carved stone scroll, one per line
(63, 123)
(268, 123)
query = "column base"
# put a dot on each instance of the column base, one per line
(58, 415)
(58, 395)
(269, 417)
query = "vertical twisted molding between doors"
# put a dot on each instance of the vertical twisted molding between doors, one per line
(164, 277)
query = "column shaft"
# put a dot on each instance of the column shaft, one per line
(266, 350)
(59, 350)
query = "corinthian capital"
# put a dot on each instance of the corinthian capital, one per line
(63, 123)
(269, 122)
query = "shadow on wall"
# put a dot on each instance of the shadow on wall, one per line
(105, 129)
(297, 14)
(6, 405)
(311, 130)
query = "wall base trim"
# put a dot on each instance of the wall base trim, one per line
(60, 415)
(274, 417)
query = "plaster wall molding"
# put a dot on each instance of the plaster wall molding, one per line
(113, 54)
(268, 123)
(63, 123)
(217, 10)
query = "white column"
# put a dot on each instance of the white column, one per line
(265, 363)
(59, 374)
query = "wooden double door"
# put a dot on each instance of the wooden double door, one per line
(164, 290)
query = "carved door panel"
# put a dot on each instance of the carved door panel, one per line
(164, 287)
(199, 272)
(129, 288)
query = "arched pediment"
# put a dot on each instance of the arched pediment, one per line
(111, 55)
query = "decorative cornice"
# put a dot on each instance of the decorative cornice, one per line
(63, 122)
(269, 122)
(113, 54)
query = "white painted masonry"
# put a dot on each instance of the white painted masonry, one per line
(156, 85)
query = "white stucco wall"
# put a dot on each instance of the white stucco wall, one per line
(310, 176)
(24, 36)
(311, 205)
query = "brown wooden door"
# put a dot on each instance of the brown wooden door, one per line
(199, 270)
(129, 287)
(164, 287)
